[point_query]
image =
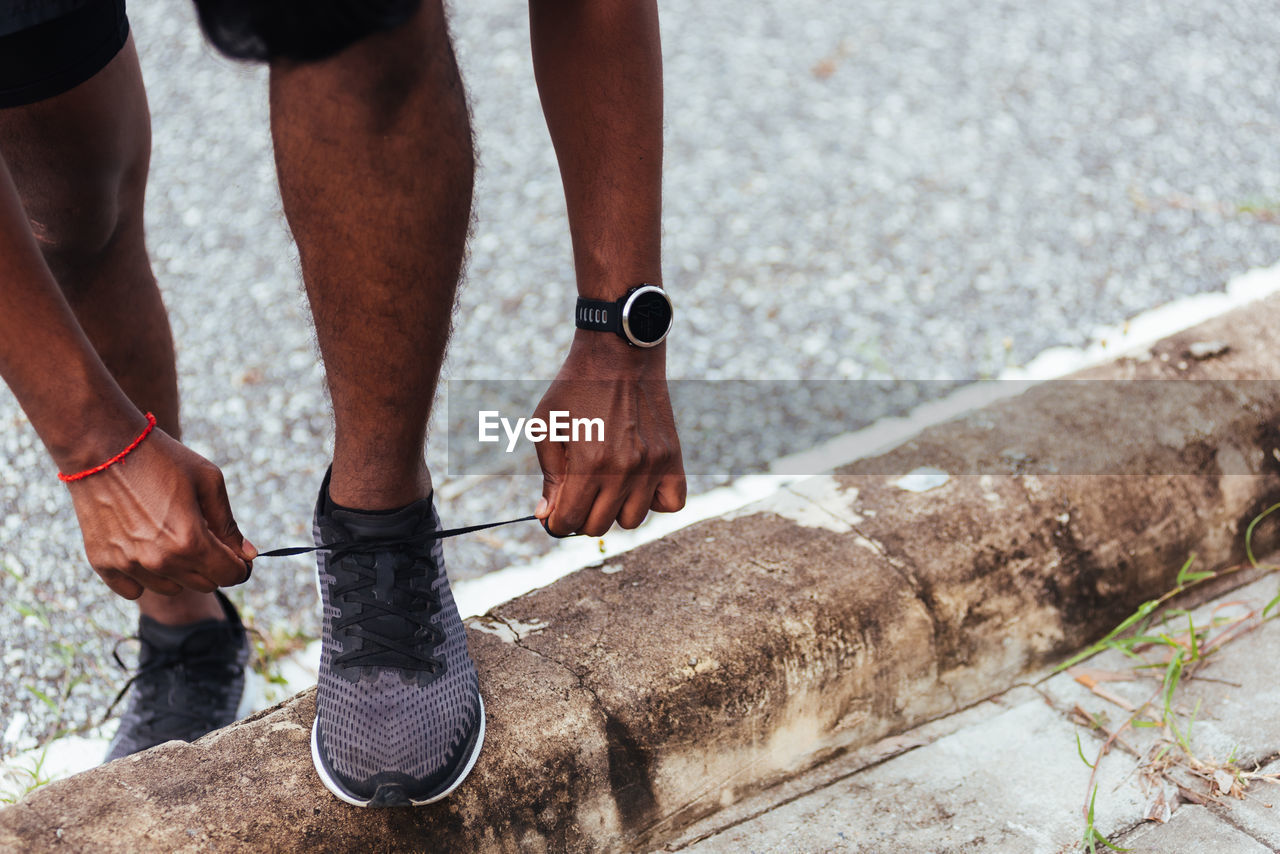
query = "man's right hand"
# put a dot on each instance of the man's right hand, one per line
(160, 519)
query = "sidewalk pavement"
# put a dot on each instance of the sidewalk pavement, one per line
(1006, 775)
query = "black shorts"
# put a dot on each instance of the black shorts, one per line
(50, 46)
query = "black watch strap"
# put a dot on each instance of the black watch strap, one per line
(642, 318)
(599, 315)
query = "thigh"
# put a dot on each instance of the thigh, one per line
(78, 156)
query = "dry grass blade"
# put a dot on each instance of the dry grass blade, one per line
(1088, 681)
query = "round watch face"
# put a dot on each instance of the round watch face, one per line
(646, 316)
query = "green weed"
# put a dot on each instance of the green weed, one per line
(271, 647)
(35, 778)
(1092, 838)
(1154, 638)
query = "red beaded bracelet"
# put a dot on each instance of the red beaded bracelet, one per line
(68, 478)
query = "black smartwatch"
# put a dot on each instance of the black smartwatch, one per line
(642, 318)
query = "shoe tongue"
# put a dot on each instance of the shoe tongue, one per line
(389, 525)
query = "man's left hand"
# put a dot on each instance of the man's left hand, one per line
(637, 467)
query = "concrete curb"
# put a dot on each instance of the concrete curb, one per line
(627, 701)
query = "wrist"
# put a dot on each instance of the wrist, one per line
(610, 354)
(613, 287)
(97, 436)
(111, 461)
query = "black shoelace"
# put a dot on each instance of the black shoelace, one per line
(434, 535)
(399, 556)
(199, 669)
(376, 646)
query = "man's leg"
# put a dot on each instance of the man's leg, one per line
(80, 163)
(373, 149)
(79, 160)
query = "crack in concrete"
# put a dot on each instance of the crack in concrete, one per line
(1267, 760)
(1120, 836)
(1227, 817)
(611, 721)
(291, 711)
(827, 784)
(828, 511)
(578, 677)
(494, 616)
(630, 776)
(906, 573)
(900, 567)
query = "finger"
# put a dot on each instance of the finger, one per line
(573, 505)
(153, 581)
(671, 493)
(204, 554)
(637, 504)
(121, 584)
(604, 510)
(211, 492)
(550, 533)
(221, 565)
(196, 581)
(224, 560)
(552, 462)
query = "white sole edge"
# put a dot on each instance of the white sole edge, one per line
(337, 792)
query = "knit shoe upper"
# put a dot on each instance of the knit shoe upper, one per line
(190, 681)
(399, 719)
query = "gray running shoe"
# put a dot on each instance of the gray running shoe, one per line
(399, 719)
(190, 681)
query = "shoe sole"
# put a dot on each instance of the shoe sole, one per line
(345, 796)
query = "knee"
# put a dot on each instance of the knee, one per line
(78, 231)
(78, 215)
(80, 162)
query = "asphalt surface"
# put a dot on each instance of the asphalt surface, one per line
(870, 190)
